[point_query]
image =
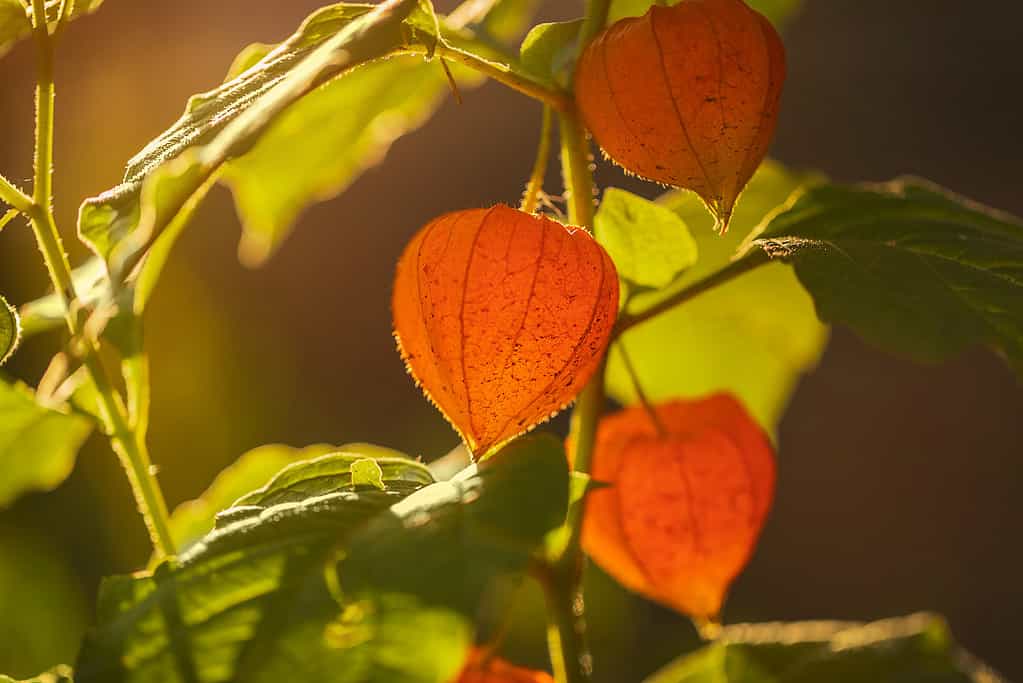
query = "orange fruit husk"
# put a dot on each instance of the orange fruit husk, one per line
(686, 95)
(502, 316)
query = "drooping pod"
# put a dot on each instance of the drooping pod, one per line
(686, 95)
(502, 316)
(687, 498)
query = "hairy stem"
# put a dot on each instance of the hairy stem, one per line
(753, 259)
(562, 576)
(126, 442)
(508, 76)
(534, 188)
(10, 193)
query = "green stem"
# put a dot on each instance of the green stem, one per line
(593, 22)
(125, 440)
(576, 169)
(10, 193)
(753, 259)
(504, 74)
(566, 628)
(562, 576)
(534, 188)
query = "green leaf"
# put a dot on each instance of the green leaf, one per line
(446, 543)
(913, 649)
(909, 266)
(256, 601)
(37, 444)
(224, 123)
(43, 596)
(10, 330)
(323, 143)
(753, 336)
(47, 313)
(60, 674)
(16, 21)
(333, 472)
(548, 50)
(193, 519)
(780, 12)
(649, 243)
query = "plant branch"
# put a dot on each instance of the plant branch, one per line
(753, 259)
(10, 193)
(501, 73)
(593, 22)
(543, 156)
(562, 575)
(126, 442)
(576, 169)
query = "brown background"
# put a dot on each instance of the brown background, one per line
(900, 486)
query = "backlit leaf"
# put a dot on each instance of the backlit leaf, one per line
(332, 472)
(37, 444)
(10, 330)
(909, 266)
(912, 649)
(502, 316)
(43, 596)
(16, 21)
(752, 337)
(193, 519)
(649, 243)
(224, 123)
(319, 146)
(661, 528)
(548, 50)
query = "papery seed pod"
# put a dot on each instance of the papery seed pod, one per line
(686, 95)
(483, 667)
(687, 500)
(502, 316)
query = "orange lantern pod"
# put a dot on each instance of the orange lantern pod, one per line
(501, 317)
(483, 667)
(686, 95)
(688, 497)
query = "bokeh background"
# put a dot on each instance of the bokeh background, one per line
(900, 486)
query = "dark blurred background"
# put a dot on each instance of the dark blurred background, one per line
(900, 485)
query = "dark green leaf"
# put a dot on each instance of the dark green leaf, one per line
(913, 649)
(446, 543)
(16, 22)
(10, 330)
(753, 336)
(910, 267)
(193, 519)
(37, 444)
(778, 11)
(253, 602)
(649, 243)
(548, 50)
